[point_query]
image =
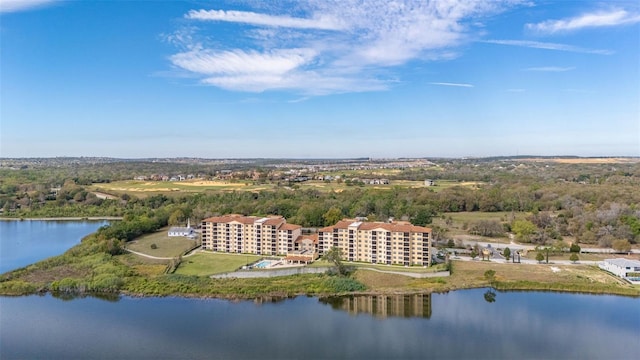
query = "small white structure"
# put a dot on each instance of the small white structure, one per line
(624, 268)
(187, 231)
(429, 182)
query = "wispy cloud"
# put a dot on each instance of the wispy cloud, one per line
(452, 84)
(248, 17)
(7, 6)
(323, 46)
(590, 20)
(549, 46)
(550, 69)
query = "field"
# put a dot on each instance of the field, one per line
(397, 268)
(604, 160)
(148, 188)
(583, 257)
(470, 274)
(203, 263)
(455, 223)
(166, 246)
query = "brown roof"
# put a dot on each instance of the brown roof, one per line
(286, 226)
(274, 221)
(312, 237)
(375, 225)
(342, 224)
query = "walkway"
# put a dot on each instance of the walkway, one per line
(190, 253)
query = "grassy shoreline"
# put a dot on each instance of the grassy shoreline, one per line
(144, 278)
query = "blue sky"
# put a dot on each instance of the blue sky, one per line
(319, 78)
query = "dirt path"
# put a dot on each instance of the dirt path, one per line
(190, 253)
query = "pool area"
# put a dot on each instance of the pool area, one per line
(264, 264)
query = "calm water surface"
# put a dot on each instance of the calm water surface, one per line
(25, 242)
(469, 324)
(457, 325)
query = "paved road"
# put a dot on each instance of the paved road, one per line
(515, 246)
(529, 261)
(162, 258)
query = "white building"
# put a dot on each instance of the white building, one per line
(187, 231)
(624, 268)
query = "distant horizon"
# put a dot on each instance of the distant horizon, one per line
(364, 158)
(319, 79)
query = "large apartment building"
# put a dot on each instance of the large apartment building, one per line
(374, 242)
(377, 242)
(250, 234)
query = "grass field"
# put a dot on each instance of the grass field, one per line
(203, 264)
(585, 257)
(470, 274)
(166, 246)
(142, 265)
(148, 188)
(455, 223)
(398, 268)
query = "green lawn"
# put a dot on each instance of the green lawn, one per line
(203, 263)
(414, 269)
(166, 246)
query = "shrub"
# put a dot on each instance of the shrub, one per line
(574, 257)
(345, 284)
(154, 246)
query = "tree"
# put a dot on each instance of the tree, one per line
(474, 253)
(423, 217)
(574, 248)
(524, 229)
(332, 216)
(490, 275)
(490, 228)
(574, 257)
(539, 257)
(506, 253)
(176, 217)
(334, 255)
(621, 245)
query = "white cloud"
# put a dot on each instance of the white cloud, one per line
(21, 5)
(550, 69)
(452, 84)
(242, 62)
(592, 20)
(247, 17)
(549, 46)
(322, 46)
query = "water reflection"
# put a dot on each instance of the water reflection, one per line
(490, 296)
(68, 296)
(383, 306)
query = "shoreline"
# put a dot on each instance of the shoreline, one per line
(284, 295)
(73, 218)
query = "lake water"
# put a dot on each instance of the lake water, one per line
(467, 324)
(25, 242)
(457, 325)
